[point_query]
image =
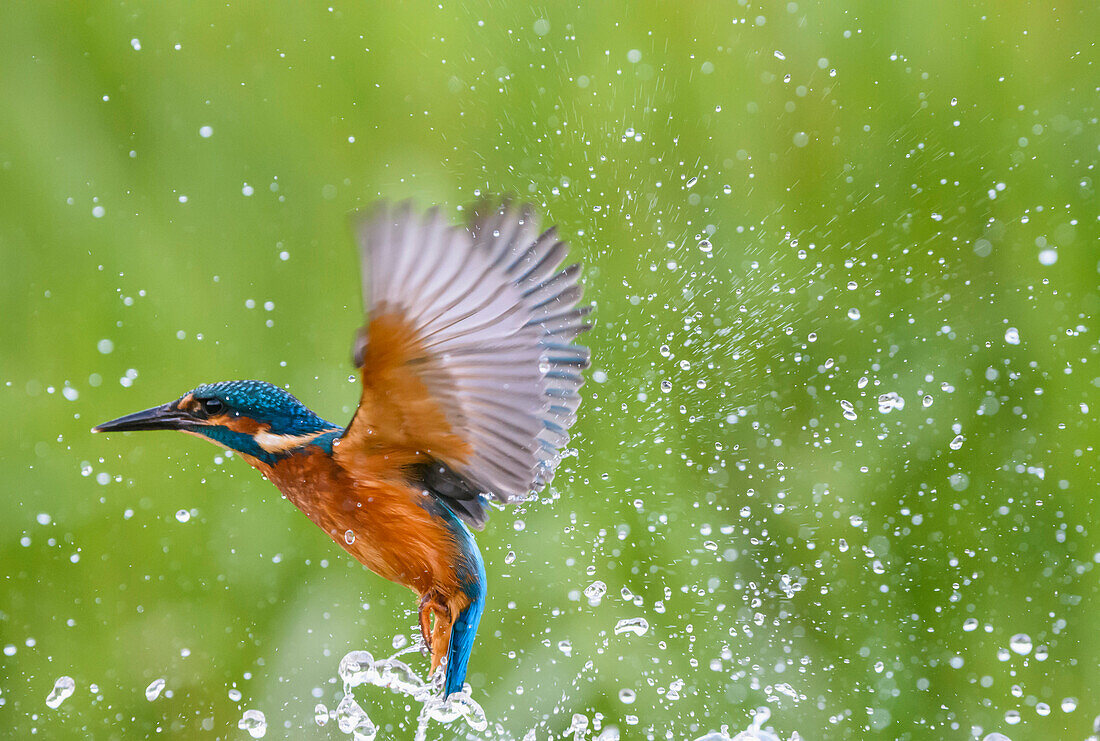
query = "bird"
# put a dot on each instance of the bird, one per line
(470, 380)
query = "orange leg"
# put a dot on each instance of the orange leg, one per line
(441, 637)
(430, 602)
(426, 620)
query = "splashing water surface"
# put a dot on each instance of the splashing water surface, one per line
(359, 668)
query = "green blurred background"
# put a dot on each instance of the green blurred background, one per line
(896, 198)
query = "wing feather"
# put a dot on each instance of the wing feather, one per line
(468, 355)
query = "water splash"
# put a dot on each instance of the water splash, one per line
(358, 668)
(354, 721)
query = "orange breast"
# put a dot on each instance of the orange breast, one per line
(384, 524)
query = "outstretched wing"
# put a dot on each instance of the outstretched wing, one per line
(468, 358)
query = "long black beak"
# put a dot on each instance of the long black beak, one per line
(164, 417)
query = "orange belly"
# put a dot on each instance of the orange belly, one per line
(385, 525)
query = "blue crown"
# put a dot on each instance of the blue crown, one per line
(265, 403)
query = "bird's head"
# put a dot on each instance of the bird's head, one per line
(257, 419)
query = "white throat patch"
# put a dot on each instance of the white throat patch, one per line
(274, 443)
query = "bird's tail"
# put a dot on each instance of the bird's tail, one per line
(471, 573)
(462, 643)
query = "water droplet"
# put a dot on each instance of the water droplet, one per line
(627, 697)
(666, 386)
(578, 727)
(106, 347)
(927, 400)
(970, 624)
(1012, 336)
(691, 182)
(1012, 717)
(890, 401)
(710, 545)
(638, 626)
(1069, 704)
(206, 131)
(510, 557)
(349, 536)
(63, 688)
(853, 313)
(400, 641)
(705, 245)
(959, 481)
(595, 591)
(234, 694)
(1020, 644)
(957, 442)
(320, 714)
(183, 515)
(154, 689)
(254, 722)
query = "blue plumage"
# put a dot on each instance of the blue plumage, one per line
(471, 571)
(265, 403)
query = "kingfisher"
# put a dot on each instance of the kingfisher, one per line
(470, 382)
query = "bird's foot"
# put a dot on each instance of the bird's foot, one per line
(429, 603)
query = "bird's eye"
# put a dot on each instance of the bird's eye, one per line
(212, 406)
